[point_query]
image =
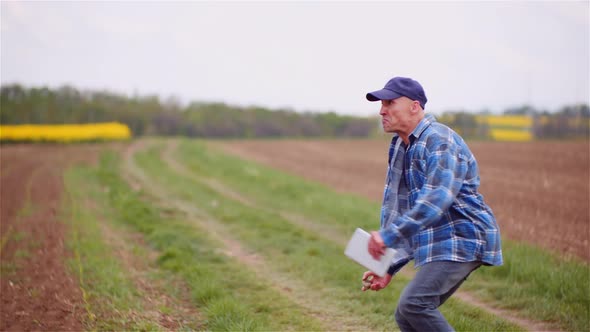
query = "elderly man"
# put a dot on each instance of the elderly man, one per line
(431, 208)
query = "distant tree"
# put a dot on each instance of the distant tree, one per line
(168, 123)
(521, 110)
(147, 115)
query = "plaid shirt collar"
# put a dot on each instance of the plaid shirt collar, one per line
(426, 121)
(422, 125)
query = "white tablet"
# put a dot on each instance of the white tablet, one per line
(357, 250)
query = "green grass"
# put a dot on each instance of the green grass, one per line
(24, 248)
(22, 253)
(9, 265)
(26, 210)
(540, 284)
(7, 268)
(532, 281)
(9, 235)
(229, 297)
(18, 236)
(282, 191)
(110, 298)
(291, 249)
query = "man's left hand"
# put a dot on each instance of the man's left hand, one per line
(374, 282)
(376, 245)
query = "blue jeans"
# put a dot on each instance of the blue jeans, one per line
(433, 284)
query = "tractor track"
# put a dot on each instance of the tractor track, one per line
(236, 250)
(314, 303)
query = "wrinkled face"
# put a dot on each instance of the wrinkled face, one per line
(396, 114)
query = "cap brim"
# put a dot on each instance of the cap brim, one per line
(382, 94)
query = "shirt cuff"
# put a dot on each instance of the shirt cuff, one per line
(393, 269)
(390, 235)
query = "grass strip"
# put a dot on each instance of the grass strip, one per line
(111, 300)
(301, 253)
(539, 284)
(534, 282)
(230, 297)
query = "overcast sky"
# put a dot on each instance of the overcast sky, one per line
(310, 56)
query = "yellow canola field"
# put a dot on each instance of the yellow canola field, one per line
(65, 132)
(507, 135)
(508, 128)
(517, 121)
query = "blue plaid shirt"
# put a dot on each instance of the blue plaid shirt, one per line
(431, 206)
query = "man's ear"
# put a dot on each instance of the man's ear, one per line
(415, 107)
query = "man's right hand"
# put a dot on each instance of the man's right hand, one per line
(376, 246)
(376, 282)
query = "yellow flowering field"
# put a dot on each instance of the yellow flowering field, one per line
(508, 135)
(65, 132)
(508, 128)
(517, 121)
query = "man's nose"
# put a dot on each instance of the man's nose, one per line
(382, 110)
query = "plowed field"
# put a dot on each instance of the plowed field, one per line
(37, 292)
(538, 191)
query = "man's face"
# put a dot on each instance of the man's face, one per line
(395, 114)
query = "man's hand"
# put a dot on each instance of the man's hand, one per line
(376, 245)
(374, 282)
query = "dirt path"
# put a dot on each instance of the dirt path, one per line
(37, 292)
(154, 296)
(314, 303)
(322, 230)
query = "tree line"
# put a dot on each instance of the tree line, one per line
(568, 122)
(148, 115)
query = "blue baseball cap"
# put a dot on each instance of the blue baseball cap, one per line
(400, 87)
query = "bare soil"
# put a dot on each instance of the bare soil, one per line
(539, 191)
(37, 293)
